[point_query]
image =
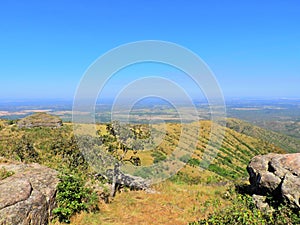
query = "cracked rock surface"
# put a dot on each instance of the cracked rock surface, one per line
(28, 196)
(278, 175)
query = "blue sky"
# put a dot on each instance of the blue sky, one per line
(253, 47)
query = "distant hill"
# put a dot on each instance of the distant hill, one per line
(40, 119)
(229, 161)
(283, 141)
(55, 146)
(234, 154)
(194, 191)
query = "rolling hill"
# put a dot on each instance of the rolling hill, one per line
(286, 142)
(191, 194)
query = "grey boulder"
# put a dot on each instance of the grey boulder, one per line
(28, 196)
(277, 175)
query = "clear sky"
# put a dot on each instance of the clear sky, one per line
(253, 47)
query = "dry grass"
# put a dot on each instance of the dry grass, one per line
(173, 204)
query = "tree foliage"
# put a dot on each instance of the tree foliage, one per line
(73, 197)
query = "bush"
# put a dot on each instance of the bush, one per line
(243, 211)
(191, 161)
(194, 162)
(185, 158)
(72, 197)
(222, 172)
(11, 122)
(182, 178)
(158, 156)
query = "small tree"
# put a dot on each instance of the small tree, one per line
(128, 138)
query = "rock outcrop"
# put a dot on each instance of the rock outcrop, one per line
(277, 175)
(133, 182)
(40, 119)
(28, 196)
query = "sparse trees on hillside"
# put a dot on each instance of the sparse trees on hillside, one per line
(126, 138)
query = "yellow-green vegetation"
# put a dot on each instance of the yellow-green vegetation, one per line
(172, 204)
(4, 173)
(73, 197)
(243, 211)
(232, 157)
(40, 119)
(288, 143)
(190, 195)
(51, 147)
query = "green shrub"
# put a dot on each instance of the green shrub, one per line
(158, 156)
(185, 158)
(243, 211)
(222, 172)
(194, 162)
(212, 179)
(11, 122)
(72, 197)
(191, 161)
(25, 151)
(182, 178)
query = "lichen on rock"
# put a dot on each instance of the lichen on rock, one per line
(28, 196)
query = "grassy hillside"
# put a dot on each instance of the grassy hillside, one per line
(188, 196)
(51, 147)
(287, 143)
(174, 203)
